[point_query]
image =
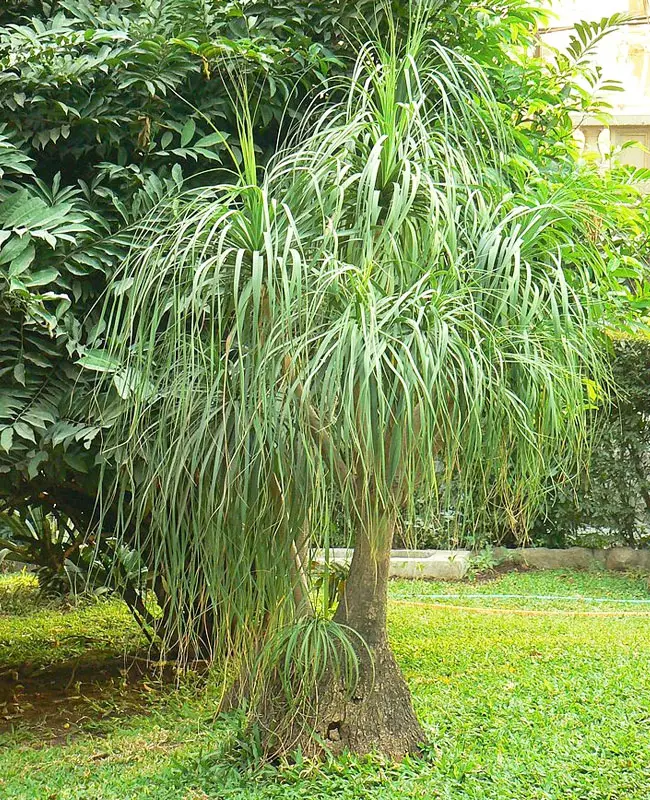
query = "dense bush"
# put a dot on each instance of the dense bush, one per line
(107, 108)
(65, 560)
(612, 504)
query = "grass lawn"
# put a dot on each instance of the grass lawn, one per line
(44, 635)
(518, 706)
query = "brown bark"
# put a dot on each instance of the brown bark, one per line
(378, 716)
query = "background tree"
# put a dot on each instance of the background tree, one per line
(107, 108)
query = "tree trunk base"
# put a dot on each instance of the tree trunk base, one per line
(377, 717)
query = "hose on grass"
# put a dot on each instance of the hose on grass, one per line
(417, 600)
(567, 598)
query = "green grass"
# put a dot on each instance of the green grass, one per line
(544, 590)
(43, 635)
(517, 707)
(19, 594)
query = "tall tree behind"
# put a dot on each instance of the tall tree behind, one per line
(106, 108)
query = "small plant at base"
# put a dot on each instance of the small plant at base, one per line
(482, 561)
(328, 581)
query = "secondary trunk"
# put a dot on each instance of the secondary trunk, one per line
(378, 717)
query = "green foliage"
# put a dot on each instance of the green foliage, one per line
(108, 108)
(544, 92)
(49, 544)
(304, 653)
(381, 312)
(612, 503)
(66, 561)
(609, 504)
(328, 581)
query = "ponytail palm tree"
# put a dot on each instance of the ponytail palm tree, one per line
(366, 319)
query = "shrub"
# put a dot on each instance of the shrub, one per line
(612, 504)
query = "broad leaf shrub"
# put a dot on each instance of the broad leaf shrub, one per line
(106, 109)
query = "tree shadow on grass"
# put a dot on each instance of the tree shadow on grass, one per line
(76, 696)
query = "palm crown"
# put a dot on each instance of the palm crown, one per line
(374, 314)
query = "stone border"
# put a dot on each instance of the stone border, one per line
(413, 564)
(613, 558)
(454, 564)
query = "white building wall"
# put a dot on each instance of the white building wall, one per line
(624, 56)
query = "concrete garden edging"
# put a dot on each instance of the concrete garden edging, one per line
(613, 558)
(454, 564)
(441, 564)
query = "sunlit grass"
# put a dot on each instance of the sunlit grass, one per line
(542, 590)
(517, 707)
(31, 631)
(18, 593)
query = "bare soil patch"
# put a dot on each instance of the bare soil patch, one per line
(66, 699)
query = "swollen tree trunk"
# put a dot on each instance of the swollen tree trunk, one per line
(377, 717)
